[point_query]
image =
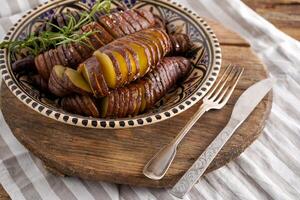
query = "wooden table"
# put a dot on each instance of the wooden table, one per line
(284, 14)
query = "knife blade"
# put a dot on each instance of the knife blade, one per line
(242, 109)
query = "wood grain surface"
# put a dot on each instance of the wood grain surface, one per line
(284, 14)
(120, 155)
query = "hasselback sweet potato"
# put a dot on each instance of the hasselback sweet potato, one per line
(107, 28)
(128, 58)
(143, 94)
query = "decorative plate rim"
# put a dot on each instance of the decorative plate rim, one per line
(119, 123)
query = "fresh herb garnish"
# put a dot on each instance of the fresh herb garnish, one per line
(36, 44)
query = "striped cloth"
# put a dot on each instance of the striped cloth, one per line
(269, 169)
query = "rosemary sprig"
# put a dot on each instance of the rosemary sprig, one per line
(36, 44)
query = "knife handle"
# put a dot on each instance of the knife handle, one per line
(188, 180)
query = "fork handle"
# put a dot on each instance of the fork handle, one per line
(201, 110)
(157, 167)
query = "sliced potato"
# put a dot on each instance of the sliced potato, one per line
(90, 104)
(157, 54)
(133, 58)
(123, 57)
(75, 81)
(143, 103)
(138, 99)
(116, 103)
(117, 67)
(93, 74)
(126, 101)
(156, 40)
(142, 58)
(121, 102)
(150, 46)
(122, 65)
(107, 68)
(104, 106)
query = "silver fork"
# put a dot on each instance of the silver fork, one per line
(216, 98)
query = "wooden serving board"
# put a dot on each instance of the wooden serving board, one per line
(119, 155)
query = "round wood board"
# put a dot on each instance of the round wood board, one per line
(119, 155)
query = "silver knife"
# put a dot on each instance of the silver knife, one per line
(242, 109)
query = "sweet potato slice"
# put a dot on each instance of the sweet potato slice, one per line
(121, 22)
(132, 21)
(149, 95)
(166, 82)
(107, 67)
(156, 47)
(83, 50)
(104, 106)
(148, 45)
(126, 101)
(141, 20)
(93, 74)
(138, 99)
(48, 63)
(157, 42)
(117, 67)
(54, 57)
(132, 103)
(110, 26)
(156, 36)
(133, 58)
(143, 101)
(41, 66)
(103, 34)
(75, 81)
(147, 15)
(166, 39)
(69, 56)
(116, 103)
(61, 55)
(75, 55)
(90, 104)
(143, 55)
(81, 105)
(157, 90)
(158, 79)
(121, 101)
(56, 89)
(110, 108)
(122, 64)
(126, 22)
(123, 57)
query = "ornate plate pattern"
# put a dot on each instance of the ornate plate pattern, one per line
(206, 64)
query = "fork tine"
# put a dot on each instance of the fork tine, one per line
(220, 88)
(233, 84)
(228, 68)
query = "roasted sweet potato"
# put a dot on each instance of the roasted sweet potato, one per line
(133, 55)
(143, 94)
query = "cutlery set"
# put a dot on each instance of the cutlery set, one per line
(216, 98)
